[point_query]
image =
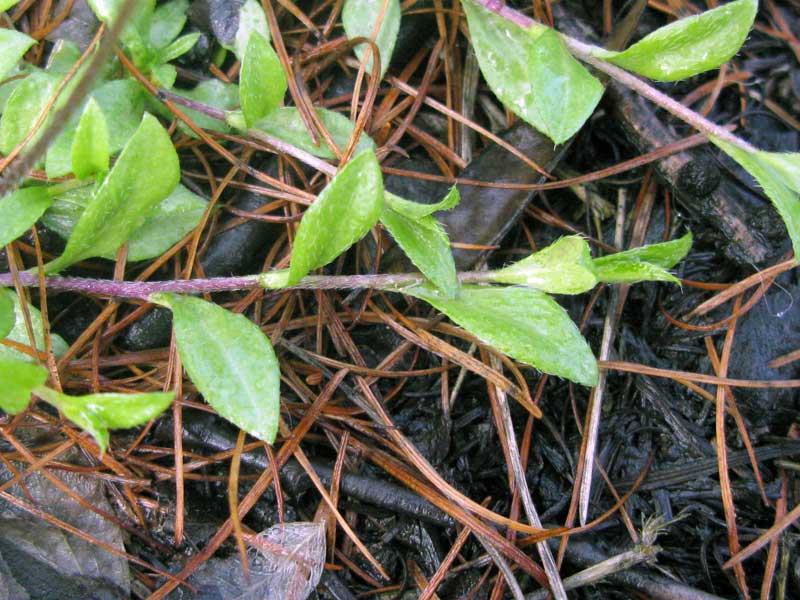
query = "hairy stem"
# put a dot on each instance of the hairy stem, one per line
(142, 290)
(586, 53)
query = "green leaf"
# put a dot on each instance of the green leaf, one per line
(286, 124)
(342, 214)
(90, 148)
(532, 73)
(526, 324)
(417, 210)
(564, 267)
(146, 172)
(691, 45)
(7, 317)
(174, 217)
(123, 411)
(19, 332)
(179, 47)
(13, 45)
(23, 109)
(262, 82)
(168, 21)
(134, 32)
(647, 263)
(423, 238)
(211, 92)
(20, 210)
(164, 75)
(122, 105)
(19, 380)
(88, 421)
(776, 175)
(251, 20)
(360, 17)
(231, 362)
(6, 4)
(63, 57)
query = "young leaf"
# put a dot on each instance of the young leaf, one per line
(123, 411)
(7, 317)
(774, 172)
(20, 210)
(137, 27)
(231, 362)
(564, 267)
(165, 225)
(6, 4)
(23, 109)
(691, 45)
(251, 20)
(533, 73)
(286, 124)
(526, 324)
(19, 380)
(164, 75)
(417, 210)
(90, 149)
(146, 172)
(647, 263)
(168, 21)
(122, 104)
(360, 17)
(179, 47)
(97, 413)
(262, 82)
(343, 213)
(19, 332)
(13, 45)
(423, 238)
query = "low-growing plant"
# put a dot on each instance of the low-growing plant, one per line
(113, 176)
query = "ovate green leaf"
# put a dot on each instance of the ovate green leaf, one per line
(137, 29)
(286, 124)
(19, 380)
(13, 45)
(647, 263)
(343, 213)
(168, 21)
(776, 175)
(23, 109)
(526, 324)
(262, 82)
(165, 225)
(179, 47)
(19, 332)
(425, 242)
(251, 20)
(7, 316)
(532, 73)
(423, 238)
(691, 45)
(360, 17)
(564, 267)
(231, 362)
(90, 148)
(145, 173)
(20, 210)
(122, 411)
(417, 210)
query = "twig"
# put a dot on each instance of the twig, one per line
(142, 290)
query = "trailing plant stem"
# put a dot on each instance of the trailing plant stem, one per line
(142, 290)
(587, 53)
